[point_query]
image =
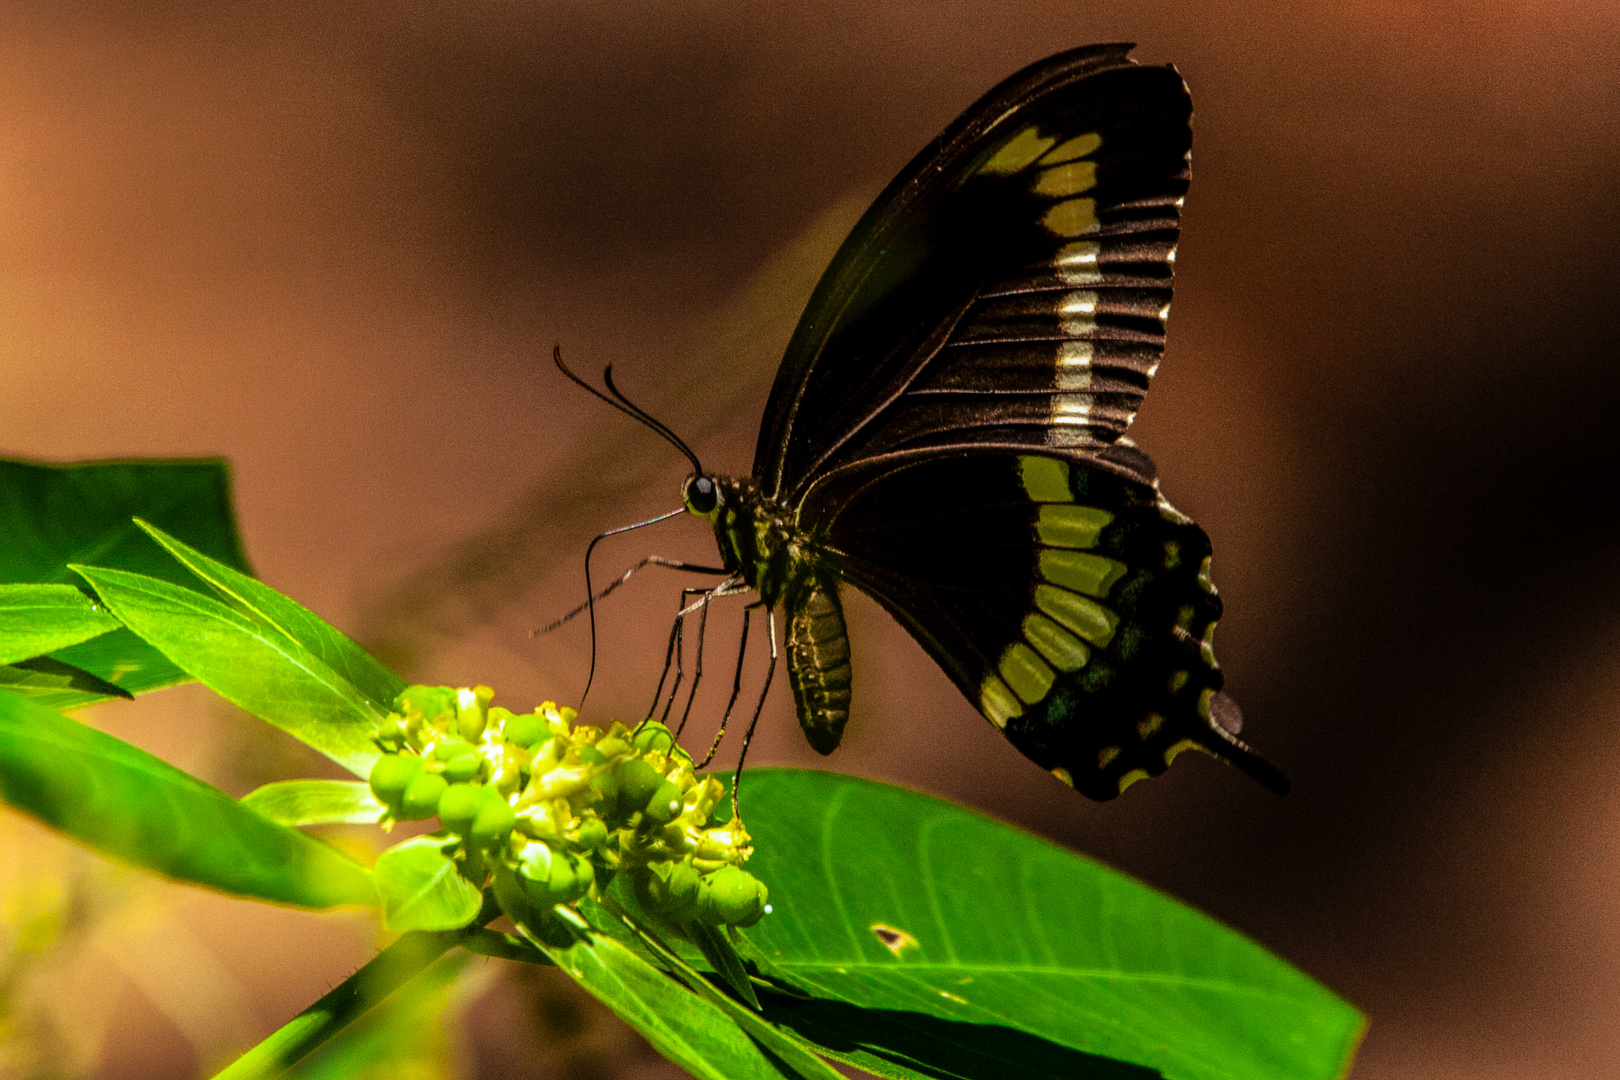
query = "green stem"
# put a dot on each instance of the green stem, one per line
(351, 999)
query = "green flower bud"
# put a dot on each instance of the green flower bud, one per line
(593, 833)
(431, 701)
(673, 889)
(612, 747)
(472, 711)
(665, 804)
(590, 755)
(511, 895)
(525, 730)
(421, 796)
(653, 736)
(637, 781)
(554, 877)
(495, 820)
(731, 896)
(391, 774)
(463, 768)
(459, 805)
(606, 788)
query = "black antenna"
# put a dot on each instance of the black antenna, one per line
(590, 597)
(629, 408)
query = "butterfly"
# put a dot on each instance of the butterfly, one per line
(946, 434)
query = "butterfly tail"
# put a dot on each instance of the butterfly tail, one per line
(1220, 738)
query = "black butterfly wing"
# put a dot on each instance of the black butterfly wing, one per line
(1072, 604)
(1008, 289)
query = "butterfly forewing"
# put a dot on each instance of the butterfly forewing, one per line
(1008, 289)
(1071, 604)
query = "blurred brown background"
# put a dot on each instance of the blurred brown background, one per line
(334, 244)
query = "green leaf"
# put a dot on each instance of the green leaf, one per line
(722, 957)
(53, 515)
(245, 662)
(349, 1002)
(35, 619)
(316, 802)
(128, 804)
(292, 619)
(123, 659)
(982, 936)
(792, 1052)
(57, 685)
(692, 1032)
(408, 1034)
(421, 888)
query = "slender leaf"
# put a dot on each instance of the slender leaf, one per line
(404, 1036)
(123, 659)
(53, 515)
(292, 619)
(890, 900)
(723, 959)
(243, 661)
(126, 803)
(349, 1001)
(692, 1032)
(793, 1053)
(421, 888)
(35, 619)
(316, 802)
(57, 685)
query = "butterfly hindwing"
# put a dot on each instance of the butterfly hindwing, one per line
(1008, 289)
(1073, 605)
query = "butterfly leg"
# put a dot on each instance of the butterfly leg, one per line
(736, 688)
(748, 736)
(732, 586)
(673, 655)
(651, 560)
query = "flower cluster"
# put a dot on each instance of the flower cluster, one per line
(551, 810)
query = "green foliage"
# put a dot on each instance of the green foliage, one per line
(316, 802)
(53, 515)
(898, 933)
(37, 619)
(126, 803)
(889, 900)
(246, 661)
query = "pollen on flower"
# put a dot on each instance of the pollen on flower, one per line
(548, 811)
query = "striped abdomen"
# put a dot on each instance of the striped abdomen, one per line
(818, 665)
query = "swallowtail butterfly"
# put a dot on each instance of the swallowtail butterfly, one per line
(947, 434)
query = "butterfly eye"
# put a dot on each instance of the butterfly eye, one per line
(700, 495)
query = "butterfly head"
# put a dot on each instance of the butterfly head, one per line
(702, 496)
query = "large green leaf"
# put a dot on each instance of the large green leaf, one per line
(53, 515)
(246, 662)
(126, 803)
(296, 622)
(968, 937)
(692, 1032)
(35, 619)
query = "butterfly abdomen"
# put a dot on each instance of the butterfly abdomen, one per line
(818, 664)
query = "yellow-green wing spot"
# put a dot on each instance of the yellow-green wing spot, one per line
(1021, 152)
(1024, 671)
(1081, 571)
(1078, 147)
(1077, 262)
(1206, 646)
(1071, 526)
(997, 702)
(1061, 649)
(1085, 617)
(1075, 178)
(1072, 217)
(1046, 479)
(1175, 750)
(1132, 777)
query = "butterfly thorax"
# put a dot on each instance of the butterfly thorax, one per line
(760, 539)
